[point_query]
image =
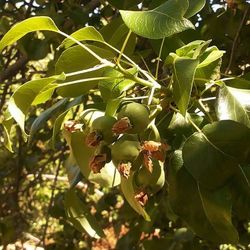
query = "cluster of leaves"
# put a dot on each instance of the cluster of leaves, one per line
(202, 116)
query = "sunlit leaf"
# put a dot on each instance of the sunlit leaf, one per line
(29, 25)
(234, 104)
(86, 33)
(23, 97)
(163, 21)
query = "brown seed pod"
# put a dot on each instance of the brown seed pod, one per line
(97, 162)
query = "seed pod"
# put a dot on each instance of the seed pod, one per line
(133, 118)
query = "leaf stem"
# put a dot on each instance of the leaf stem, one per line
(159, 59)
(100, 59)
(123, 47)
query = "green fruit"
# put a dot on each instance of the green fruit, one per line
(127, 148)
(138, 116)
(103, 126)
(152, 182)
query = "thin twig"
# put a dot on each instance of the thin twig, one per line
(234, 47)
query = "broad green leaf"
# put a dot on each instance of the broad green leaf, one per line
(82, 154)
(79, 215)
(45, 94)
(111, 89)
(194, 7)
(209, 66)
(24, 96)
(190, 48)
(183, 77)
(213, 155)
(211, 55)
(29, 25)
(207, 213)
(239, 82)
(76, 59)
(40, 121)
(163, 21)
(241, 193)
(83, 34)
(129, 193)
(234, 104)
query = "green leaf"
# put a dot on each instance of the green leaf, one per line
(183, 77)
(83, 34)
(29, 25)
(24, 96)
(212, 54)
(213, 155)
(163, 21)
(75, 59)
(112, 106)
(209, 213)
(45, 94)
(234, 104)
(46, 115)
(129, 193)
(241, 193)
(82, 155)
(79, 215)
(194, 7)
(111, 89)
(190, 48)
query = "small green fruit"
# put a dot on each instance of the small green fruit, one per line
(127, 148)
(138, 116)
(103, 126)
(152, 182)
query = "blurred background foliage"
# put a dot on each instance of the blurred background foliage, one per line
(32, 178)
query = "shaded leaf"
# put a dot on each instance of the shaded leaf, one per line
(7, 125)
(45, 116)
(29, 25)
(241, 193)
(213, 155)
(129, 193)
(232, 104)
(23, 97)
(59, 120)
(207, 213)
(79, 215)
(163, 21)
(83, 34)
(183, 77)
